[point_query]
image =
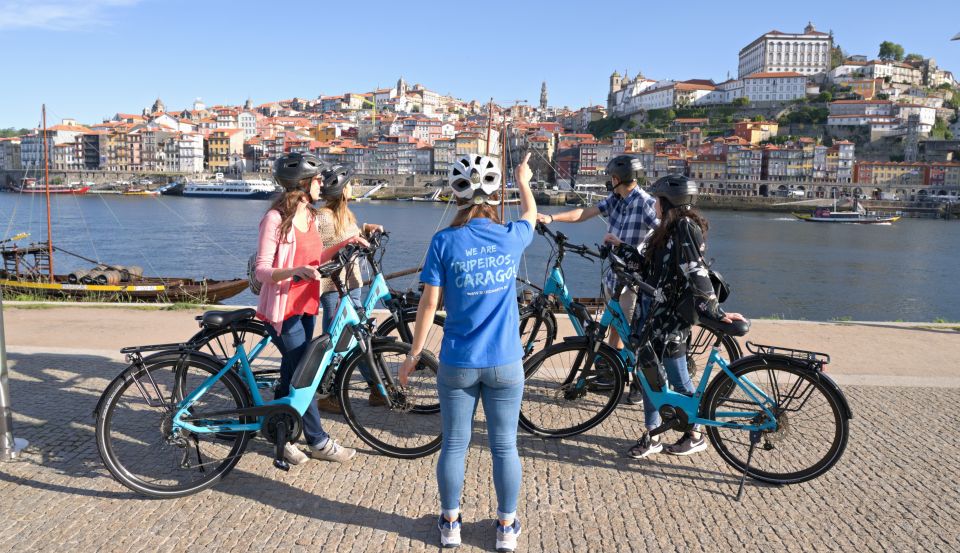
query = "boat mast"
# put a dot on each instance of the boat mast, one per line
(489, 122)
(46, 179)
(503, 180)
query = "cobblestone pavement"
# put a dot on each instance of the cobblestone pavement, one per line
(893, 489)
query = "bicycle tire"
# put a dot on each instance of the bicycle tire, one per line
(219, 343)
(723, 390)
(540, 323)
(564, 394)
(403, 433)
(108, 419)
(389, 328)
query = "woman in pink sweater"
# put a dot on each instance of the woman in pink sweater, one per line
(289, 251)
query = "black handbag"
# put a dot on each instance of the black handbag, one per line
(720, 286)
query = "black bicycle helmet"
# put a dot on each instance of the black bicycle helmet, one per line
(291, 169)
(677, 190)
(335, 179)
(625, 167)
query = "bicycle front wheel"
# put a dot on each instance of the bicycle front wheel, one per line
(135, 435)
(538, 330)
(406, 425)
(562, 396)
(812, 427)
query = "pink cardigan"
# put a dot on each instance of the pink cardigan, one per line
(273, 253)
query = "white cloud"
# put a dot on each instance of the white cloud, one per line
(56, 15)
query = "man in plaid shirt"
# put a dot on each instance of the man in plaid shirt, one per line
(631, 217)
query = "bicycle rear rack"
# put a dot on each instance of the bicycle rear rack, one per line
(814, 357)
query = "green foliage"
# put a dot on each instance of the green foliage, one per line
(836, 56)
(661, 117)
(882, 96)
(827, 140)
(741, 101)
(806, 115)
(10, 131)
(757, 118)
(913, 57)
(890, 51)
(825, 96)
(939, 130)
(603, 128)
(944, 86)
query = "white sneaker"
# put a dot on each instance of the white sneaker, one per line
(507, 536)
(294, 455)
(449, 531)
(333, 451)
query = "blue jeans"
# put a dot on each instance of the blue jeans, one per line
(296, 333)
(679, 378)
(330, 301)
(500, 388)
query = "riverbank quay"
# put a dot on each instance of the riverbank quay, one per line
(578, 494)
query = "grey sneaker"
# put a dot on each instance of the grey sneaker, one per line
(645, 447)
(687, 445)
(294, 455)
(333, 451)
(507, 536)
(449, 531)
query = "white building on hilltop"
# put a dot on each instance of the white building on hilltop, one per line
(807, 53)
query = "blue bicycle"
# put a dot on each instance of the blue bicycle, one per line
(538, 324)
(778, 401)
(176, 422)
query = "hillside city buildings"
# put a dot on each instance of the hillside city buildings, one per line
(670, 124)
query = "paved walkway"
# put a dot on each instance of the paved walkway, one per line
(895, 488)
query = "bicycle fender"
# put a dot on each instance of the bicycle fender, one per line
(817, 375)
(131, 369)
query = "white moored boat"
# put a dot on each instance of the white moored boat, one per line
(242, 189)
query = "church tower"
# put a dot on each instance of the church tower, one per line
(543, 95)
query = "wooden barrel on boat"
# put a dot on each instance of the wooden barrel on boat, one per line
(107, 277)
(131, 273)
(77, 277)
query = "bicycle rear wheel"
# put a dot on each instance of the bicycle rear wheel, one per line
(134, 427)
(562, 397)
(407, 428)
(812, 426)
(389, 328)
(219, 343)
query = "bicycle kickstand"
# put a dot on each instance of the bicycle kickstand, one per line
(754, 440)
(283, 436)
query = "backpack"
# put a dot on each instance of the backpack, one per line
(252, 281)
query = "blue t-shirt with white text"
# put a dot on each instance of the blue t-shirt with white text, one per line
(476, 265)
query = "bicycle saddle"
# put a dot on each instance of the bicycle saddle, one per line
(217, 319)
(736, 328)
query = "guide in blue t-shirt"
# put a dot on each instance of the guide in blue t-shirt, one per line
(473, 263)
(476, 265)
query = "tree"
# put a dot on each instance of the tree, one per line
(891, 51)
(741, 101)
(825, 96)
(827, 140)
(882, 96)
(836, 56)
(913, 57)
(10, 131)
(758, 118)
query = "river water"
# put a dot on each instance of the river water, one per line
(777, 266)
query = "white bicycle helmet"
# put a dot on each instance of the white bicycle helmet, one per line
(475, 178)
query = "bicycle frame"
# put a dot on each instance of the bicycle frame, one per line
(691, 404)
(344, 321)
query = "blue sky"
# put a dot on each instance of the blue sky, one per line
(89, 59)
